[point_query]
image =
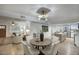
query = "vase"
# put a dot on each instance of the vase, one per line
(41, 36)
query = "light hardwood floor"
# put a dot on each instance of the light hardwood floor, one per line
(65, 48)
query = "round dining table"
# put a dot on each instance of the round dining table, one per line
(37, 43)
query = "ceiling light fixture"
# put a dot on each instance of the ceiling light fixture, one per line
(43, 16)
(13, 23)
(43, 13)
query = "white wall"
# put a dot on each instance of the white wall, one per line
(9, 27)
(34, 27)
(56, 28)
(37, 27)
(77, 38)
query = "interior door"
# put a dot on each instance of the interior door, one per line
(2, 31)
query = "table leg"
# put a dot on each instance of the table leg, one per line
(37, 47)
(43, 47)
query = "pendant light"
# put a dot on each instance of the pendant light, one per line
(13, 23)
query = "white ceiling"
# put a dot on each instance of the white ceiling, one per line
(59, 13)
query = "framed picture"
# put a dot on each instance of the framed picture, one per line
(44, 28)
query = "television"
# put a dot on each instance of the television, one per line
(44, 28)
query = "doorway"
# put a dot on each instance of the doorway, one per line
(2, 31)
